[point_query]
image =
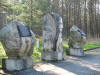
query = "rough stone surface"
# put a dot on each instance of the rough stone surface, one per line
(14, 45)
(14, 64)
(52, 37)
(17, 64)
(76, 52)
(18, 48)
(76, 41)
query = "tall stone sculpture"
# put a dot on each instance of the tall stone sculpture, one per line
(76, 41)
(18, 42)
(52, 37)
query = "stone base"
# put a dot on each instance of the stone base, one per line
(76, 52)
(52, 56)
(16, 64)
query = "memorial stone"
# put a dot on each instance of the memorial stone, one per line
(76, 41)
(52, 37)
(18, 41)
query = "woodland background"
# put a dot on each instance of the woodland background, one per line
(83, 13)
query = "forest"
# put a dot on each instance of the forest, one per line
(83, 13)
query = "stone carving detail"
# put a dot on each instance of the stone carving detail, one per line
(18, 48)
(76, 41)
(52, 37)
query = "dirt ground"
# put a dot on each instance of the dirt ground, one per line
(86, 65)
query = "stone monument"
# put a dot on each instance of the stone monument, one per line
(52, 37)
(76, 41)
(18, 41)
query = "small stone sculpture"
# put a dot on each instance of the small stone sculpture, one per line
(76, 41)
(18, 42)
(52, 37)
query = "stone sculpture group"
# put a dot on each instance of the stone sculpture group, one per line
(18, 41)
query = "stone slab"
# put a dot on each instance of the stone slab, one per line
(52, 55)
(13, 64)
(17, 64)
(76, 52)
(24, 31)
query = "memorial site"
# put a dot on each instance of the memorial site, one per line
(49, 37)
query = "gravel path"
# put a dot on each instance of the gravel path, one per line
(87, 65)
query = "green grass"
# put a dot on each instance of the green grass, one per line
(85, 47)
(37, 51)
(2, 53)
(90, 46)
(65, 48)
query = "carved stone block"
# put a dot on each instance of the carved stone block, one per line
(76, 41)
(52, 37)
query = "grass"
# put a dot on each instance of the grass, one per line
(2, 53)
(90, 46)
(65, 48)
(85, 47)
(37, 51)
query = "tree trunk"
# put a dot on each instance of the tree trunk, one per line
(3, 19)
